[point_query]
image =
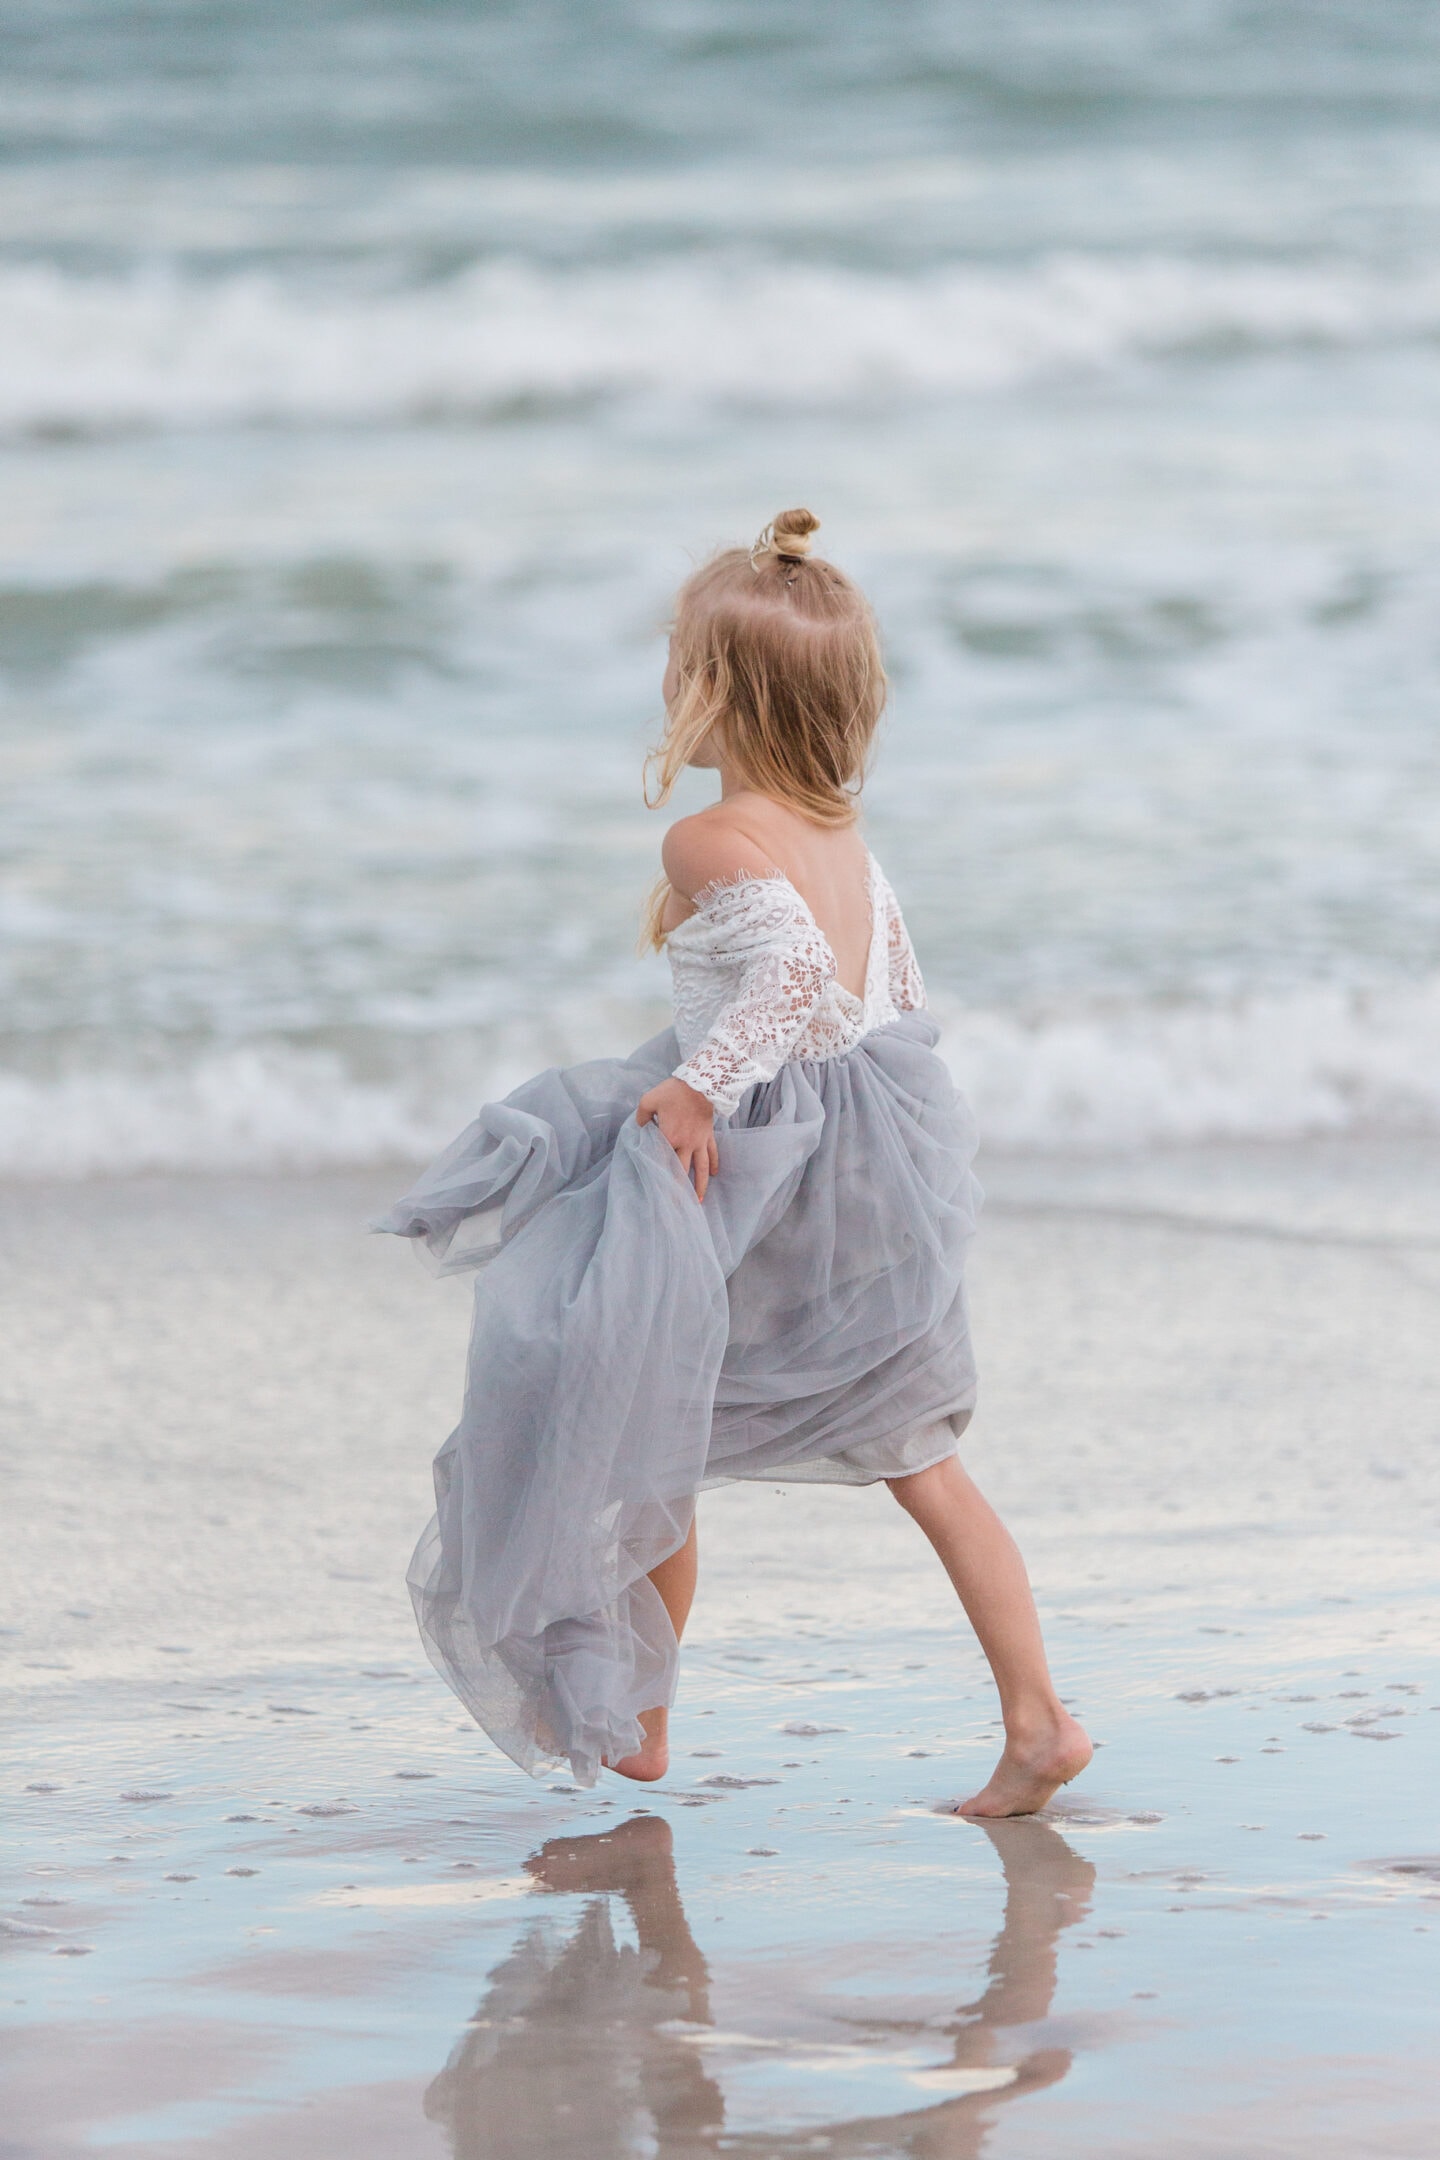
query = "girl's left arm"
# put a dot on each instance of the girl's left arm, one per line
(785, 971)
(687, 1120)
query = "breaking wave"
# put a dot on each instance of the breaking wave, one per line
(160, 349)
(1313, 1061)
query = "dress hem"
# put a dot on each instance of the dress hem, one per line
(887, 1458)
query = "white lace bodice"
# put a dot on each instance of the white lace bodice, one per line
(756, 984)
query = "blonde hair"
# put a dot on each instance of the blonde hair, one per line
(778, 657)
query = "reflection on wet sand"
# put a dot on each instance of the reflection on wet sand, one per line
(585, 2046)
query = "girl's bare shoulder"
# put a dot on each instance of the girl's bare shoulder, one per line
(713, 845)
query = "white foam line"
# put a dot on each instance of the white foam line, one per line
(161, 348)
(1307, 1062)
(835, 2058)
(498, 1890)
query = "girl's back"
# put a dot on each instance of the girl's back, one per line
(751, 834)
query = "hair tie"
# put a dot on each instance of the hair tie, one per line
(788, 546)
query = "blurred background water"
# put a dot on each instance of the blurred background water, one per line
(370, 374)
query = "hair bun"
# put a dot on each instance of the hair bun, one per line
(788, 536)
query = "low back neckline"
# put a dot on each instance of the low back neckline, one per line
(718, 887)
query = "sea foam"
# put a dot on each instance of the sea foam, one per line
(1312, 1061)
(161, 348)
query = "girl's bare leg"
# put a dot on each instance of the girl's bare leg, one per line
(675, 1581)
(1044, 1746)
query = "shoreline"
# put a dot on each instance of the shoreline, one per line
(238, 1376)
(270, 1892)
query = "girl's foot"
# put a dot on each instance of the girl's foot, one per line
(651, 1759)
(1035, 1764)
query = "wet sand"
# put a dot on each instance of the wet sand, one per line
(269, 1893)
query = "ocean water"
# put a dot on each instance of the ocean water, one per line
(370, 375)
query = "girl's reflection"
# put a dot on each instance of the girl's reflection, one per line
(574, 2052)
(566, 2055)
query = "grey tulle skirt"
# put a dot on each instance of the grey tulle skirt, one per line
(630, 1347)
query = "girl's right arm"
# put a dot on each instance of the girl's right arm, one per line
(907, 986)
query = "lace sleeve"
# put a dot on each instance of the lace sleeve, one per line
(784, 965)
(907, 987)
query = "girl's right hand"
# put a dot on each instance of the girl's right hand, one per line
(687, 1120)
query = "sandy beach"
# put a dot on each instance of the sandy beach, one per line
(269, 1893)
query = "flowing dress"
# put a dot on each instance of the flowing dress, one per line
(630, 1347)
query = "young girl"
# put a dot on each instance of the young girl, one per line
(737, 1253)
